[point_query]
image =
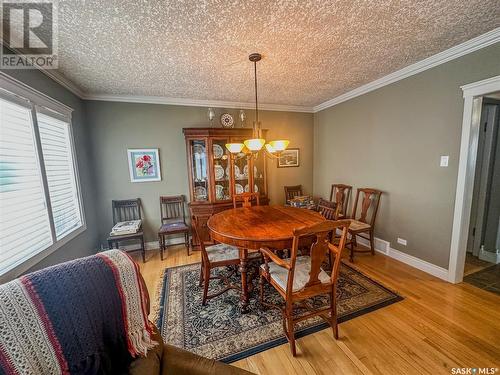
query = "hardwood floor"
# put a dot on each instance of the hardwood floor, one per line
(437, 327)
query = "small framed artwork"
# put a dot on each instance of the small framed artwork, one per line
(144, 165)
(289, 158)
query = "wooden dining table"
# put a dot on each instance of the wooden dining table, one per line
(251, 228)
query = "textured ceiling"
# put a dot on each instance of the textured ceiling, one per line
(313, 50)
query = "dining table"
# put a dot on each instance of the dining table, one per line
(251, 228)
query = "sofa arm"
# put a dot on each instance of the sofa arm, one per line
(177, 361)
(151, 364)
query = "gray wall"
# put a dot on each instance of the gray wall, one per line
(392, 139)
(86, 242)
(115, 126)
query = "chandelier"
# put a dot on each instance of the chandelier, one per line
(256, 143)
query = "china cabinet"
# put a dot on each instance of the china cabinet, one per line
(215, 175)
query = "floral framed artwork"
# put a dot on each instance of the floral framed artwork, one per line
(144, 165)
(289, 158)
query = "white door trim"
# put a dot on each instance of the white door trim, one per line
(466, 169)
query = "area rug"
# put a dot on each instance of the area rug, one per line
(219, 331)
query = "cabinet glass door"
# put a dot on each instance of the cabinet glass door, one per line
(241, 178)
(221, 165)
(199, 169)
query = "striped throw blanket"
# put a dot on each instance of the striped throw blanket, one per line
(87, 316)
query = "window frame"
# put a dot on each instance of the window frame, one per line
(16, 91)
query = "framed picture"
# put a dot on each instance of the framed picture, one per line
(144, 165)
(289, 158)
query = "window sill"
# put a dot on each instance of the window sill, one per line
(26, 265)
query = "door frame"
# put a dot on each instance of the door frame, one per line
(472, 94)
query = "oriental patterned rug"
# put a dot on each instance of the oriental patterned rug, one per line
(219, 331)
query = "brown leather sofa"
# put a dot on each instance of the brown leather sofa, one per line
(166, 359)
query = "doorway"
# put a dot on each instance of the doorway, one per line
(483, 241)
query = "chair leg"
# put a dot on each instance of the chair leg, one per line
(143, 250)
(201, 273)
(351, 254)
(372, 242)
(206, 281)
(261, 291)
(290, 331)
(333, 322)
(161, 241)
(186, 241)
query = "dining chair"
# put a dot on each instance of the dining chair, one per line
(246, 199)
(329, 210)
(300, 278)
(127, 210)
(214, 256)
(364, 223)
(340, 194)
(292, 192)
(173, 221)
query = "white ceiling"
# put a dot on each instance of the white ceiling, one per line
(198, 49)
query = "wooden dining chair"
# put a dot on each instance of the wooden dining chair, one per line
(340, 194)
(173, 221)
(329, 210)
(246, 199)
(299, 278)
(213, 256)
(127, 210)
(364, 222)
(292, 192)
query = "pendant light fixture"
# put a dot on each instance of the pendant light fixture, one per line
(256, 143)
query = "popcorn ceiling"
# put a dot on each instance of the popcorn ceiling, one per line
(313, 50)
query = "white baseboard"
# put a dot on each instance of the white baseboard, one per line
(489, 256)
(384, 247)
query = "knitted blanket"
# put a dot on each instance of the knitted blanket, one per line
(87, 316)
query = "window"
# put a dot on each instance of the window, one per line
(40, 206)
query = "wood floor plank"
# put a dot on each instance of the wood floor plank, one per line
(436, 327)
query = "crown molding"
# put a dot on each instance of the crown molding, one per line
(196, 102)
(452, 53)
(63, 81)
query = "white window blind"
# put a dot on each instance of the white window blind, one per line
(40, 206)
(58, 160)
(24, 221)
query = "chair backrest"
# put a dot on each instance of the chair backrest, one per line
(126, 209)
(320, 249)
(368, 207)
(199, 224)
(329, 210)
(340, 194)
(292, 192)
(172, 208)
(246, 199)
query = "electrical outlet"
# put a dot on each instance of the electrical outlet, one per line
(402, 241)
(444, 161)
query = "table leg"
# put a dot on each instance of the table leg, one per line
(244, 282)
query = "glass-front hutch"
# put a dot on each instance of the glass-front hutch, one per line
(214, 175)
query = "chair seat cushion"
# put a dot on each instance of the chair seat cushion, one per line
(358, 226)
(173, 227)
(222, 252)
(301, 275)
